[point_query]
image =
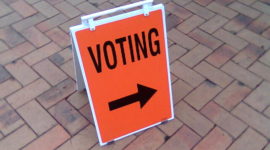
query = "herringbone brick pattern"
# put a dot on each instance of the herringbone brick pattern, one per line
(220, 68)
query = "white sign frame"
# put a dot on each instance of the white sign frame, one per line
(88, 22)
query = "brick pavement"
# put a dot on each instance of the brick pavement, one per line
(220, 67)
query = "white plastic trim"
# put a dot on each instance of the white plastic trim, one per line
(88, 20)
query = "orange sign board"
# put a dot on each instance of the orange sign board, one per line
(125, 65)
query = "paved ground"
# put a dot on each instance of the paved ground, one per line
(220, 64)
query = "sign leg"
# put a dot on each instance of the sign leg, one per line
(78, 71)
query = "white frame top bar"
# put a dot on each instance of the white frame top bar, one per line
(89, 19)
(102, 13)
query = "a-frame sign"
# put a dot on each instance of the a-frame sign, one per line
(122, 61)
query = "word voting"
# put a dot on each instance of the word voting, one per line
(130, 49)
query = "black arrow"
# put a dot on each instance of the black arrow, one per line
(143, 96)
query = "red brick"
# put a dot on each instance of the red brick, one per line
(194, 56)
(221, 55)
(202, 94)
(103, 6)
(215, 140)
(3, 46)
(170, 43)
(230, 39)
(121, 144)
(87, 113)
(267, 147)
(259, 98)
(87, 8)
(245, 10)
(71, 22)
(190, 24)
(247, 2)
(75, 2)
(97, 2)
(224, 119)
(267, 112)
(254, 39)
(192, 118)
(248, 55)
(41, 53)
(57, 93)
(173, 78)
(266, 34)
(31, 1)
(232, 95)
(183, 139)
(199, 10)
(205, 39)
(241, 74)
(203, 2)
(67, 9)
(83, 140)
(222, 10)
(180, 89)
(51, 22)
(46, 9)
(9, 119)
(151, 139)
(68, 68)
(250, 140)
(181, 39)
(50, 140)
(118, 2)
(28, 22)
(260, 24)
(224, 2)
(253, 118)
(59, 37)
(61, 57)
(54, 76)
(22, 72)
(68, 117)
(37, 118)
(261, 70)
(9, 19)
(237, 23)
(213, 24)
(172, 21)
(28, 93)
(186, 74)
(4, 9)
(11, 37)
(4, 74)
(175, 52)
(262, 7)
(35, 37)
(53, 2)
(266, 58)
(213, 74)
(170, 127)
(9, 87)
(17, 139)
(178, 10)
(181, 2)
(78, 99)
(23, 8)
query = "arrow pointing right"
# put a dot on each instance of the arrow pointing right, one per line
(143, 96)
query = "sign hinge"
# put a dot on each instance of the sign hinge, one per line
(91, 24)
